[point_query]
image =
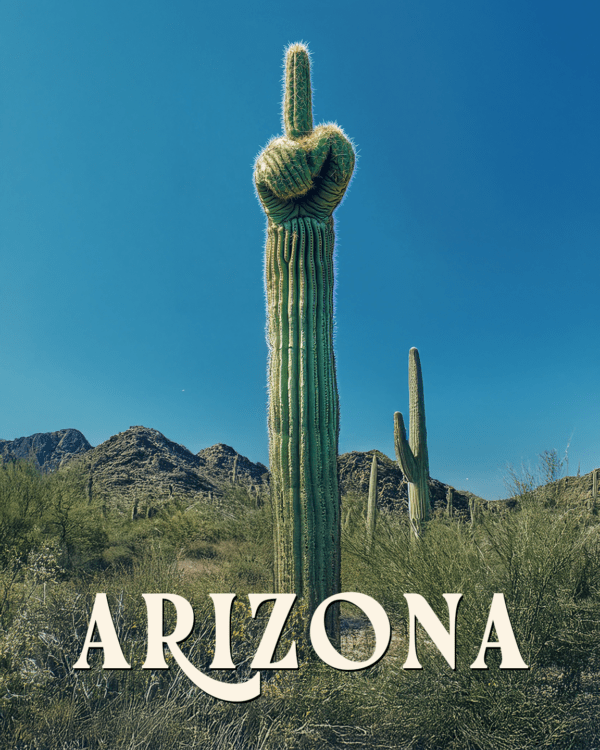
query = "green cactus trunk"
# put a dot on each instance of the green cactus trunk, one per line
(303, 410)
(300, 179)
(412, 455)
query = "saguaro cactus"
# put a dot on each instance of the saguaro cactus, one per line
(473, 511)
(412, 455)
(372, 502)
(300, 179)
(90, 484)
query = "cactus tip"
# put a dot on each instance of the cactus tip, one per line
(297, 92)
(297, 47)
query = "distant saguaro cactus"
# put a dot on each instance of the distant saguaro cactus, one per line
(473, 511)
(90, 484)
(412, 455)
(372, 502)
(300, 179)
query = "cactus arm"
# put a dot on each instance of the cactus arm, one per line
(297, 95)
(412, 456)
(418, 430)
(404, 454)
(306, 172)
(307, 177)
(418, 492)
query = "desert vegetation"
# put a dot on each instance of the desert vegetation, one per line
(59, 550)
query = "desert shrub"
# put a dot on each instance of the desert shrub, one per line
(545, 557)
(44, 703)
(73, 523)
(22, 500)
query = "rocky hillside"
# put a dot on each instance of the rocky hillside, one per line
(392, 488)
(47, 449)
(139, 463)
(142, 463)
(219, 462)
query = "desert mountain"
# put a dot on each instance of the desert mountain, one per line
(47, 449)
(219, 461)
(142, 463)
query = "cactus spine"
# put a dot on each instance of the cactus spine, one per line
(372, 503)
(300, 179)
(412, 455)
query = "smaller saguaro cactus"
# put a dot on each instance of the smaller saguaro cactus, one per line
(449, 501)
(234, 473)
(372, 503)
(412, 454)
(473, 511)
(594, 490)
(90, 484)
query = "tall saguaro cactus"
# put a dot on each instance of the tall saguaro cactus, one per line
(412, 455)
(300, 179)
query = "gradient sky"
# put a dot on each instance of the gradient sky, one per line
(131, 240)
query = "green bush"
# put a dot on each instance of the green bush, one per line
(22, 501)
(545, 558)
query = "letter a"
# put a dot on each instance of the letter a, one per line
(101, 617)
(498, 618)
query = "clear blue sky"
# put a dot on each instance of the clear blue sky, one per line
(131, 282)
